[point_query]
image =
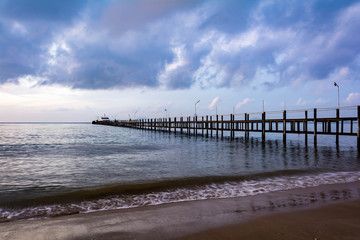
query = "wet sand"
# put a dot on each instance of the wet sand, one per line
(335, 221)
(325, 212)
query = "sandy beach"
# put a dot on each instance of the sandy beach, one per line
(335, 221)
(325, 212)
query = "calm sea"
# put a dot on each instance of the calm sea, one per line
(57, 169)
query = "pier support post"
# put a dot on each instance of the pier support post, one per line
(247, 118)
(315, 128)
(217, 126)
(284, 127)
(188, 125)
(196, 126)
(211, 127)
(231, 126)
(305, 128)
(263, 126)
(181, 125)
(175, 125)
(169, 124)
(207, 126)
(222, 126)
(358, 128)
(337, 126)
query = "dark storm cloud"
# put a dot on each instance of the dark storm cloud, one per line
(26, 27)
(231, 16)
(120, 16)
(19, 55)
(177, 44)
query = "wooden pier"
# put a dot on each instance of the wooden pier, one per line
(343, 121)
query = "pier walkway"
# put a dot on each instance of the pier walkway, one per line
(344, 121)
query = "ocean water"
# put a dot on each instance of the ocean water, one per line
(52, 169)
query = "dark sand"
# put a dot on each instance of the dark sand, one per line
(325, 212)
(338, 221)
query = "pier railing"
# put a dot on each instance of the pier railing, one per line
(306, 122)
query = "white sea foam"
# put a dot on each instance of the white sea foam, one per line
(201, 192)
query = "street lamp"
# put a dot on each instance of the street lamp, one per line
(166, 113)
(195, 106)
(336, 85)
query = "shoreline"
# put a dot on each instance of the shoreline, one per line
(185, 220)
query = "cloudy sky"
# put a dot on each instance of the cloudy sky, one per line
(78, 59)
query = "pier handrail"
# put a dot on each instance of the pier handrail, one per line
(205, 125)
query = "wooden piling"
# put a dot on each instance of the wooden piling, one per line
(230, 126)
(233, 126)
(217, 126)
(315, 128)
(169, 124)
(202, 125)
(222, 126)
(247, 126)
(263, 126)
(188, 125)
(337, 126)
(175, 125)
(358, 128)
(305, 128)
(196, 126)
(206, 126)
(284, 127)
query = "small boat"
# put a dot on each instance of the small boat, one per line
(103, 119)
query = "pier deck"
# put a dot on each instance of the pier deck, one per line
(265, 122)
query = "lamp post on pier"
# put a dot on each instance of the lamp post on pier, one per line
(337, 85)
(195, 106)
